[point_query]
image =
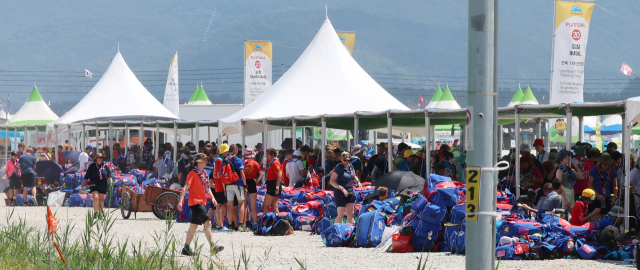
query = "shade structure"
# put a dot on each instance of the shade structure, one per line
(34, 111)
(447, 101)
(528, 98)
(436, 97)
(517, 97)
(324, 74)
(118, 95)
(200, 97)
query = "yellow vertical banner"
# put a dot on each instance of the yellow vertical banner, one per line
(473, 191)
(348, 39)
(598, 137)
(258, 57)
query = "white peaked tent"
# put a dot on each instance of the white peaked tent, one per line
(118, 95)
(34, 111)
(324, 80)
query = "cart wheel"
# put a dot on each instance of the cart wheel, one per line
(168, 203)
(126, 205)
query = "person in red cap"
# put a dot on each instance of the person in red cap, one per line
(542, 155)
(530, 176)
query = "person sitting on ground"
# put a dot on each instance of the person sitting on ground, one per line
(27, 166)
(604, 181)
(405, 164)
(274, 182)
(546, 189)
(99, 176)
(383, 193)
(342, 180)
(197, 184)
(568, 174)
(295, 169)
(579, 214)
(554, 199)
(612, 228)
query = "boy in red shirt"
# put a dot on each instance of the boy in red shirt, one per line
(253, 174)
(221, 193)
(197, 184)
(579, 213)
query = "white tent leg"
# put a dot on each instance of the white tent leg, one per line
(427, 135)
(6, 143)
(375, 142)
(15, 139)
(304, 136)
(569, 128)
(175, 141)
(356, 123)
(517, 132)
(98, 138)
(266, 135)
(37, 138)
(581, 128)
(626, 131)
(244, 135)
(348, 141)
(197, 137)
(55, 135)
(390, 145)
(294, 140)
(111, 141)
(157, 140)
(126, 138)
(69, 136)
(324, 145)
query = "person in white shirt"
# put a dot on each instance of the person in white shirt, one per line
(295, 168)
(83, 159)
(541, 154)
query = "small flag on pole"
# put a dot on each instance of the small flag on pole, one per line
(88, 73)
(626, 69)
(52, 221)
(421, 100)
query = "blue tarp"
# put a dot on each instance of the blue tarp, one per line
(604, 130)
(3, 133)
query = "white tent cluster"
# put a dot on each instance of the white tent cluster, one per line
(34, 111)
(523, 98)
(443, 100)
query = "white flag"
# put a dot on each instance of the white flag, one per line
(626, 69)
(172, 92)
(88, 73)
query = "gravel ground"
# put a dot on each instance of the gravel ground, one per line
(285, 249)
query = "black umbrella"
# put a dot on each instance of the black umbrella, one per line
(399, 181)
(72, 155)
(286, 144)
(48, 169)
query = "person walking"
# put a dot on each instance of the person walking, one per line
(99, 176)
(13, 173)
(27, 165)
(274, 181)
(197, 184)
(342, 180)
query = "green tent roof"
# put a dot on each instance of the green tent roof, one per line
(436, 97)
(35, 95)
(528, 98)
(517, 97)
(447, 101)
(195, 93)
(200, 95)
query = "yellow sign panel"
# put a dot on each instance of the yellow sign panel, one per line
(265, 47)
(473, 191)
(566, 9)
(348, 39)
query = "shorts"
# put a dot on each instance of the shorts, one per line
(234, 191)
(198, 214)
(271, 188)
(341, 200)
(251, 186)
(15, 182)
(221, 197)
(101, 187)
(28, 180)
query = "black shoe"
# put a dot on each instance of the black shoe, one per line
(215, 249)
(249, 226)
(186, 251)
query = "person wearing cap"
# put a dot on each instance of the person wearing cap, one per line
(402, 147)
(541, 154)
(613, 218)
(220, 193)
(356, 160)
(13, 174)
(525, 150)
(530, 176)
(579, 214)
(593, 155)
(259, 154)
(405, 164)
(604, 181)
(253, 174)
(197, 185)
(611, 147)
(567, 173)
(99, 176)
(583, 165)
(295, 169)
(342, 180)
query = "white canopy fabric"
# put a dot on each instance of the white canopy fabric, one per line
(118, 95)
(632, 107)
(324, 80)
(34, 111)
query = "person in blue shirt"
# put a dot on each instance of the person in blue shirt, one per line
(405, 164)
(27, 165)
(603, 179)
(236, 190)
(613, 218)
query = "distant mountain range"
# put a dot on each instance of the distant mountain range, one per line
(409, 47)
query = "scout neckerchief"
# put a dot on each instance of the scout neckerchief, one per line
(569, 173)
(203, 177)
(100, 169)
(604, 181)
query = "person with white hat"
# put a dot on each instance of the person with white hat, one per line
(295, 169)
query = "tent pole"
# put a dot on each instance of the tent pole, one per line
(433, 143)
(517, 132)
(98, 137)
(324, 146)
(126, 138)
(15, 138)
(294, 139)
(539, 128)
(197, 137)
(304, 136)
(157, 140)
(6, 143)
(348, 141)
(55, 133)
(209, 134)
(37, 138)
(427, 134)
(69, 137)
(356, 123)
(175, 141)
(110, 142)
(266, 134)
(569, 128)
(244, 136)
(500, 140)
(626, 146)
(390, 138)
(375, 142)
(282, 134)
(581, 128)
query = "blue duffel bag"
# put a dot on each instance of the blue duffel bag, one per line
(337, 235)
(369, 229)
(430, 212)
(425, 235)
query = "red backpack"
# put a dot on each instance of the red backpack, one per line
(228, 174)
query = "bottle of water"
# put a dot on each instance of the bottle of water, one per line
(66, 202)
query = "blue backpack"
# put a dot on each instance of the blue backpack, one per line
(430, 212)
(75, 200)
(270, 224)
(458, 214)
(448, 197)
(337, 235)
(520, 227)
(588, 252)
(369, 229)
(184, 216)
(435, 179)
(330, 210)
(303, 223)
(88, 201)
(457, 241)
(375, 206)
(425, 235)
(320, 225)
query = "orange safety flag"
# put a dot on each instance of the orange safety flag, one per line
(52, 222)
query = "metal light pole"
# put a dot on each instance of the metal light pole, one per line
(482, 94)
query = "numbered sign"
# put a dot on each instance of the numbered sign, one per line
(473, 191)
